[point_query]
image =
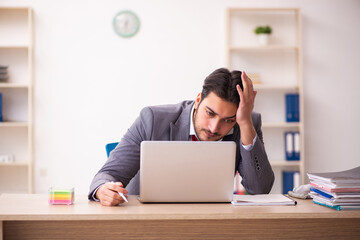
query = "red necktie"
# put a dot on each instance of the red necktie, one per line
(194, 138)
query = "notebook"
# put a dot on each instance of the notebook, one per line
(175, 171)
(262, 200)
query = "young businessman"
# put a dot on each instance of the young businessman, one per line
(222, 111)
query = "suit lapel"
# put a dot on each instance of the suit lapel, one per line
(179, 130)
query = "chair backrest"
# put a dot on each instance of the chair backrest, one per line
(109, 147)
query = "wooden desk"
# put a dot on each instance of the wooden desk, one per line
(24, 216)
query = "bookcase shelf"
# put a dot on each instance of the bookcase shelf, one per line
(15, 164)
(16, 130)
(281, 125)
(275, 87)
(278, 70)
(14, 124)
(263, 48)
(24, 46)
(284, 163)
(13, 85)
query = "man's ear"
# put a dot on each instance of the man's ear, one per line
(197, 100)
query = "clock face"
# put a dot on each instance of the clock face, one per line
(126, 24)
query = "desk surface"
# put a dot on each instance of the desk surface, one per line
(36, 207)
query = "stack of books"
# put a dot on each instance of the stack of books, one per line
(338, 190)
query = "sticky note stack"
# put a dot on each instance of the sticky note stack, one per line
(61, 196)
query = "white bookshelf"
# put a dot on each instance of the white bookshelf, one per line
(16, 130)
(279, 65)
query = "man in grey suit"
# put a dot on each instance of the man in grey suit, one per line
(222, 111)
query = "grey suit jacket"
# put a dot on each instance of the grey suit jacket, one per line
(171, 123)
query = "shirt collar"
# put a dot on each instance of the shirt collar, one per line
(192, 129)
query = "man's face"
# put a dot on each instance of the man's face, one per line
(213, 117)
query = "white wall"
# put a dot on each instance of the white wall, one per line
(90, 84)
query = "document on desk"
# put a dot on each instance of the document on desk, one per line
(262, 200)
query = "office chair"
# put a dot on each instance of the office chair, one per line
(109, 147)
(134, 181)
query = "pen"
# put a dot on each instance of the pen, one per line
(121, 195)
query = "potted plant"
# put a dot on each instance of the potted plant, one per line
(263, 33)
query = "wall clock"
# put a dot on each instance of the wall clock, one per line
(126, 24)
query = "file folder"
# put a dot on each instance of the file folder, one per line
(296, 138)
(292, 107)
(289, 146)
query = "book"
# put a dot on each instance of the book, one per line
(262, 200)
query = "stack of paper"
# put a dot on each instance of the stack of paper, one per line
(61, 196)
(338, 190)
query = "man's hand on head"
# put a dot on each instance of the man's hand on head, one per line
(246, 106)
(108, 193)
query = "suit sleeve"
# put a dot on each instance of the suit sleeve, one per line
(124, 161)
(254, 167)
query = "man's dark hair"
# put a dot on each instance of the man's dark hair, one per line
(223, 83)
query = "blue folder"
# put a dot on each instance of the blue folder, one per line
(288, 181)
(321, 193)
(292, 107)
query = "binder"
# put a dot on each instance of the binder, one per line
(296, 146)
(292, 146)
(1, 117)
(324, 194)
(296, 107)
(289, 146)
(291, 179)
(292, 107)
(289, 112)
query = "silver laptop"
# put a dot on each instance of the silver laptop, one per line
(172, 171)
